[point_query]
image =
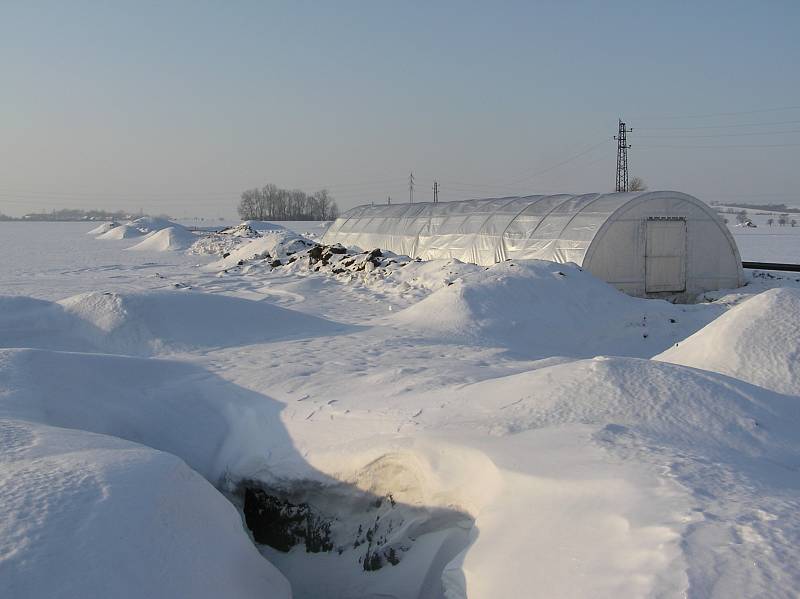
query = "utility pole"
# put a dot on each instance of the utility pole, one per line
(411, 188)
(435, 192)
(622, 157)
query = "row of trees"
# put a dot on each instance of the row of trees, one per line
(70, 214)
(783, 220)
(273, 203)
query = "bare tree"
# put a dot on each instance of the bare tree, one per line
(273, 203)
(741, 217)
(637, 184)
(770, 221)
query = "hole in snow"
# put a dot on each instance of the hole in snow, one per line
(336, 540)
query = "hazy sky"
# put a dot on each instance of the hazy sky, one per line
(177, 107)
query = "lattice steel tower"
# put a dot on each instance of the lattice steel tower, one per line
(622, 157)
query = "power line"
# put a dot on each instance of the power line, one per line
(728, 126)
(716, 114)
(720, 146)
(721, 134)
(559, 164)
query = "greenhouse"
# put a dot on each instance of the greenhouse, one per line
(647, 244)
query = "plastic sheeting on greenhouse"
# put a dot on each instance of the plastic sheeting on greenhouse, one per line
(623, 238)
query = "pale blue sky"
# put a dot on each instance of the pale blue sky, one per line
(178, 106)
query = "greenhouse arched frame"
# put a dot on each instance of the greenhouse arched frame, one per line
(646, 244)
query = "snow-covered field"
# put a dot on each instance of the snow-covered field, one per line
(764, 242)
(250, 415)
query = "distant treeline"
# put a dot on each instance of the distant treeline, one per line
(70, 214)
(761, 207)
(273, 203)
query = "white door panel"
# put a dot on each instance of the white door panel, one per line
(665, 255)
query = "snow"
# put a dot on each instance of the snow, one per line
(540, 309)
(146, 225)
(121, 232)
(278, 244)
(149, 224)
(757, 341)
(168, 239)
(103, 228)
(766, 243)
(503, 431)
(567, 492)
(91, 515)
(263, 225)
(148, 323)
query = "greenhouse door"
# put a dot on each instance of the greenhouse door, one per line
(665, 257)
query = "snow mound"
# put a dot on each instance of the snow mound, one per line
(164, 240)
(86, 515)
(540, 309)
(136, 228)
(149, 224)
(121, 232)
(150, 323)
(182, 321)
(272, 245)
(261, 225)
(103, 228)
(216, 427)
(731, 447)
(242, 230)
(228, 240)
(670, 404)
(757, 341)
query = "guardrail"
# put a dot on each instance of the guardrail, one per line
(772, 266)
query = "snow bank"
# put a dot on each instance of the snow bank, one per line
(121, 232)
(103, 228)
(168, 239)
(214, 426)
(673, 405)
(757, 341)
(148, 323)
(540, 309)
(729, 445)
(86, 515)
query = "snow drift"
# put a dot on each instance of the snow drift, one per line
(121, 232)
(149, 224)
(171, 238)
(136, 228)
(148, 323)
(103, 228)
(540, 309)
(729, 445)
(213, 425)
(262, 225)
(757, 341)
(86, 515)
